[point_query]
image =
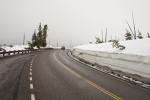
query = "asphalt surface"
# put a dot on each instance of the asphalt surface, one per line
(53, 75)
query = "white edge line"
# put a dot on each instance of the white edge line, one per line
(30, 78)
(30, 73)
(32, 96)
(30, 66)
(31, 86)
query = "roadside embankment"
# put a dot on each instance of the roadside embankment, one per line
(135, 66)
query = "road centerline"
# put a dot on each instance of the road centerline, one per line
(30, 78)
(30, 73)
(31, 86)
(32, 96)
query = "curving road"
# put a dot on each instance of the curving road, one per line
(53, 75)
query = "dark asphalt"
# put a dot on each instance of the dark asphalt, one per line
(56, 76)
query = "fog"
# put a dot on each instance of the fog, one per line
(70, 22)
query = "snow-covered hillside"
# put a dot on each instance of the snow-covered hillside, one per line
(133, 47)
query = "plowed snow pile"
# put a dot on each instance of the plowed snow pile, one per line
(133, 47)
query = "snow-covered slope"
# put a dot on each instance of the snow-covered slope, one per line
(134, 59)
(15, 47)
(21, 47)
(133, 47)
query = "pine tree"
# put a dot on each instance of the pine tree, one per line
(30, 45)
(128, 35)
(98, 40)
(44, 36)
(140, 35)
(39, 36)
(115, 44)
(34, 39)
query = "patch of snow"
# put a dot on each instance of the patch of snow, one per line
(57, 47)
(49, 46)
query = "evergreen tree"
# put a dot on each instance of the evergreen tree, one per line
(140, 35)
(98, 40)
(44, 36)
(116, 44)
(30, 45)
(39, 36)
(128, 36)
(34, 39)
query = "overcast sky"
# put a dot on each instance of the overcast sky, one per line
(70, 21)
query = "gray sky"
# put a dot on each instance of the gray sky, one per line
(70, 21)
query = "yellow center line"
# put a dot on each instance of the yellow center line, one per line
(115, 97)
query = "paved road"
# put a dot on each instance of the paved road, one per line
(53, 75)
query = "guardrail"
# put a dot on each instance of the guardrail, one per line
(16, 52)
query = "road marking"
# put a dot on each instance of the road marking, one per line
(31, 86)
(30, 73)
(30, 66)
(32, 96)
(30, 78)
(89, 82)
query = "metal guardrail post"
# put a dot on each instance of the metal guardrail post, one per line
(3, 54)
(22, 51)
(9, 53)
(14, 52)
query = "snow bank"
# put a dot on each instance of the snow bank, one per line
(22, 47)
(135, 59)
(15, 47)
(134, 47)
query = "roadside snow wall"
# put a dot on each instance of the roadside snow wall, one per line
(133, 64)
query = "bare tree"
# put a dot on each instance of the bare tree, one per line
(106, 35)
(24, 39)
(133, 31)
(134, 26)
(130, 29)
(102, 35)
